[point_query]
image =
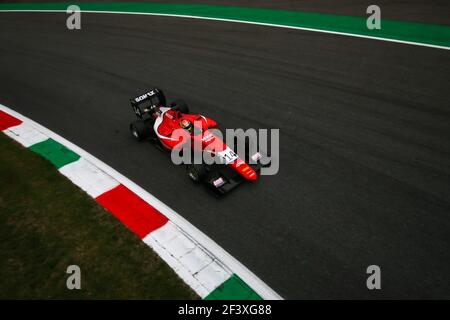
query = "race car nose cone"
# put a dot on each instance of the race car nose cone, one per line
(252, 176)
(249, 174)
(244, 170)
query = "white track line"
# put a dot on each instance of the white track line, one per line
(248, 22)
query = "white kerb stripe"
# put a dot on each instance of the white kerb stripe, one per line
(88, 177)
(25, 134)
(188, 258)
(181, 271)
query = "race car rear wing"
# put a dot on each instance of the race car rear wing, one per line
(145, 102)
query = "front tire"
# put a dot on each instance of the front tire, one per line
(140, 130)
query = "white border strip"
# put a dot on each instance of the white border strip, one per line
(207, 243)
(248, 22)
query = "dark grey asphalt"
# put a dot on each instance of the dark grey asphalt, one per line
(365, 153)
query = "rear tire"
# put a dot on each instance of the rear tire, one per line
(180, 105)
(141, 130)
(196, 172)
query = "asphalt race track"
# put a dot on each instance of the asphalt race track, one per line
(365, 138)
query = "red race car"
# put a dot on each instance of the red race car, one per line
(173, 128)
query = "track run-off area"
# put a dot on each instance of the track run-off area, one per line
(364, 137)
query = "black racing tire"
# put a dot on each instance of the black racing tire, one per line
(196, 172)
(180, 105)
(141, 130)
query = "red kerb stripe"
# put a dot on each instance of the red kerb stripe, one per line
(7, 121)
(135, 213)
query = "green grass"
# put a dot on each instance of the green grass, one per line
(47, 224)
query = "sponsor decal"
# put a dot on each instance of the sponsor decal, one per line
(219, 182)
(145, 96)
(256, 157)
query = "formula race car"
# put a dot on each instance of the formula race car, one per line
(173, 128)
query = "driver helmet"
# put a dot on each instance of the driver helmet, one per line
(186, 125)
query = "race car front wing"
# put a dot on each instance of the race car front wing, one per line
(222, 179)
